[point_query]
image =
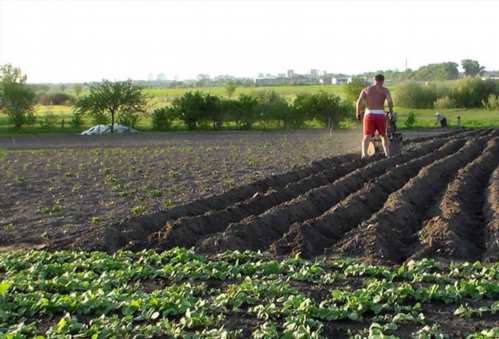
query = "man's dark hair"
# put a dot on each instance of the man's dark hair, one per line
(379, 77)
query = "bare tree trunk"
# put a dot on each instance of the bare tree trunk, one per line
(330, 126)
(112, 122)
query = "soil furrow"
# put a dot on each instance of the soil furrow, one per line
(258, 232)
(313, 236)
(134, 231)
(186, 230)
(388, 234)
(457, 229)
(491, 214)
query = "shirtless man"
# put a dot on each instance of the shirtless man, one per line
(374, 98)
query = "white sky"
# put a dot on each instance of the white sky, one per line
(74, 40)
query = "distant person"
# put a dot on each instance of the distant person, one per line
(458, 123)
(441, 119)
(371, 105)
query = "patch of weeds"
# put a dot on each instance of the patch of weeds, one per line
(168, 203)
(9, 228)
(155, 193)
(138, 210)
(44, 210)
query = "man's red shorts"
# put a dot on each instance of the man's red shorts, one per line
(374, 122)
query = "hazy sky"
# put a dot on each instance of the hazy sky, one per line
(74, 40)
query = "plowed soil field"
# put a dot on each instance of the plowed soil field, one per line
(437, 199)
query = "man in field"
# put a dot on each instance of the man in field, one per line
(371, 108)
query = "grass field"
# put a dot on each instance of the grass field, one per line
(425, 118)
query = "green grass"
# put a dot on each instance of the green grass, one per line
(470, 118)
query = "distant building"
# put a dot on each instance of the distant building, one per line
(270, 81)
(315, 73)
(161, 77)
(341, 81)
(202, 77)
(291, 73)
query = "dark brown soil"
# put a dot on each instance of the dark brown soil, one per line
(393, 232)
(437, 198)
(491, 214)
(375, 208)
(457, 231)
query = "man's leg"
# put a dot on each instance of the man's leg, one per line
(367, 132)
(386, 145)
(381, 127)
(365, 144)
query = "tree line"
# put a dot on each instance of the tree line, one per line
(124, 102)
(464, 93)
(434, 72)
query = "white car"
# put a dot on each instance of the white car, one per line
(106, 129)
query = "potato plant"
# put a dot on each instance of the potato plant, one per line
(179, 293)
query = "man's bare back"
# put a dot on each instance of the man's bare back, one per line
(374, 97)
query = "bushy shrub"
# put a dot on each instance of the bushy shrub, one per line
(189, 108)
(471, 92)
(492, 103)
(162, 118)
(410, 122)
(76, 120)
(212, 111)
(49, 120)
(324, 107)
(445, 102)
(129, 118)
(415, 95)
(272, 107)
(246, 111)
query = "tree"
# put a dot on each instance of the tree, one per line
(472, 67)
(440, 71)
(230, 88)
(17, 99)
(77, 88)
(114, 99)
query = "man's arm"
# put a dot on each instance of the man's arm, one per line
(389, 101)
(361, 104)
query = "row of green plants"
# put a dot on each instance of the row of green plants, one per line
(179, 293)
(196, 110)
(464, 93)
